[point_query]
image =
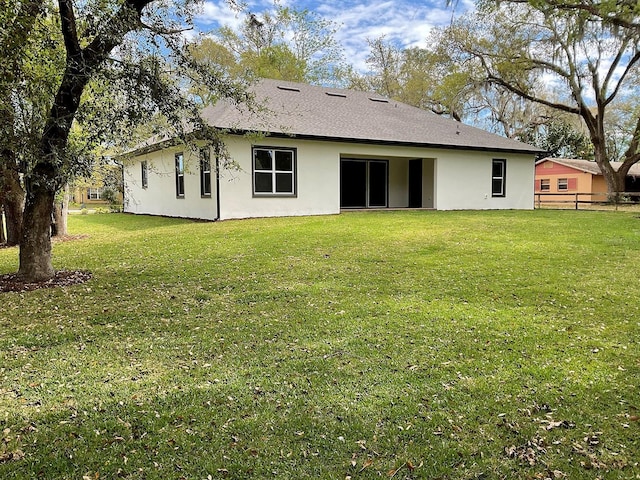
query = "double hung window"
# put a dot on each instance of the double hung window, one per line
(545, 184)
(93, 193)
(563, 184)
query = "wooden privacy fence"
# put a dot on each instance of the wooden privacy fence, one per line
(584, 198)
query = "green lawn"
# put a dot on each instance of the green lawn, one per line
(432, 345)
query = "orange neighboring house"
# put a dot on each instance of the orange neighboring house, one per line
(562, 176)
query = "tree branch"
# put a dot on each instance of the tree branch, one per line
(68, 27)
(164, 31)
(594, 8)
(632, 62)
(513, 89)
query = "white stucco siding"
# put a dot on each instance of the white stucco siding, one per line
(159, 197)
(398, 181)
(317, 179)
(452, 179)
(428, 183)
(463, 181)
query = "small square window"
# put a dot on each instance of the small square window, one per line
(545, 185)
(563, 184)
(94, 193)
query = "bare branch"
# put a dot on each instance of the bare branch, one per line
(164, 31)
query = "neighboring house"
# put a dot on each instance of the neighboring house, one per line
(89, 195)
(562, 176)
(97, 190)
(326, 150)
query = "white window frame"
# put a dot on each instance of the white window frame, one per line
(274, 172)
(94, 193)
(563, 184)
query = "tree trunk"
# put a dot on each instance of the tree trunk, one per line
(3, 237)
(611, 177)
(13, 211)
(13, 197)
(60, 211)
(35, 246)
(45, 177)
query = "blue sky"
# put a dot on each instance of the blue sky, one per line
(404, 22)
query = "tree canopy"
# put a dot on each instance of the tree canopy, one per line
(283, 43)
(79, 75)
(587, 61)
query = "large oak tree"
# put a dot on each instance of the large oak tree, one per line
(123, 49)
(588, 56)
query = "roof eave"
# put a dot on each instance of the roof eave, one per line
(397, 143)
(175, 141)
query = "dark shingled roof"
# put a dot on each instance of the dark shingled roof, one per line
(305, 111)
(589, 166)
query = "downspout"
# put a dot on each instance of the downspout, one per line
(217, 152)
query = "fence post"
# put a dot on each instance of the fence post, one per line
(576, 200)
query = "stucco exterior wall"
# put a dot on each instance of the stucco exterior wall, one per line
(463, 181)
(398, 175)
(159, 198)
(317, 176)
(452, 179)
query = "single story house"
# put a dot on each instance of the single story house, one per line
(563, 175)
(323, 150)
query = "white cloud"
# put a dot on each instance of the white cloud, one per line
(215, 14)
(404, 23)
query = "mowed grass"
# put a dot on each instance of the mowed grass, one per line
(432, 345)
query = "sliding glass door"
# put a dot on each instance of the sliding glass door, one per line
(364, 183)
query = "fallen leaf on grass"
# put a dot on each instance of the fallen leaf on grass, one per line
(410, 466)
(551, 474)
(366, 464)
(528, 452)
(551, 424)
(11, 456)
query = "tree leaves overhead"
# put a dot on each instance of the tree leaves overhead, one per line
(283, 43)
